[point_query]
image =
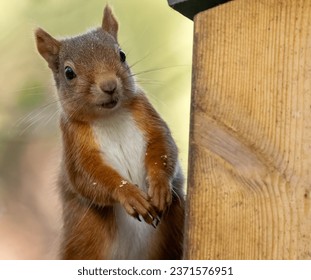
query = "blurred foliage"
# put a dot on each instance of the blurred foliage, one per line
(155, 38)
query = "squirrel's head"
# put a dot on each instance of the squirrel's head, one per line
(90, 70)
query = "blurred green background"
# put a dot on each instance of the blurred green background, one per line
(152, 34)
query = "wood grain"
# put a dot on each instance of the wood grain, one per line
(249, 182)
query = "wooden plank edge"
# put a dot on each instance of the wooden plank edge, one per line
(190, 8)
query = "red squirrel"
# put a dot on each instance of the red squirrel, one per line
(120, 182)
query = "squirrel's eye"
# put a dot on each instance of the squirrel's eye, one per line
(122, 56)
(69, 73)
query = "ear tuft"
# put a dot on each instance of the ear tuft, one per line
(109, 23)
(48, 47)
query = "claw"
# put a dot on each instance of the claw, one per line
(150, 216)
(155, 222)
(136, 215)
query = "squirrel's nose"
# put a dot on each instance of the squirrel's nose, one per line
(108, 86)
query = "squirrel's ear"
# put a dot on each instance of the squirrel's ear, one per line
(48, 47)
(110, 23)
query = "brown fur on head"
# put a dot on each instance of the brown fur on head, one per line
(91, 75)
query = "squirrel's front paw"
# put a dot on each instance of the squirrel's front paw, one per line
(136, 203)
(160, 193)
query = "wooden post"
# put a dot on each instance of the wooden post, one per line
(249, 179)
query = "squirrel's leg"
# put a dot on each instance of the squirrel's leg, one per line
(88, 231)
(169, 240)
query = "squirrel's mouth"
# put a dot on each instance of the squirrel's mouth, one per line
(108, 105)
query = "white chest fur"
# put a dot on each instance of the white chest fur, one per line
(123, 147)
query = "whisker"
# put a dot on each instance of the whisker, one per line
(155, 70)
(29, 89)
(52, 116)
(150, 82)
(38, 116)
(30, 117)
(152, 96)
(138, 61)
(36, 119)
